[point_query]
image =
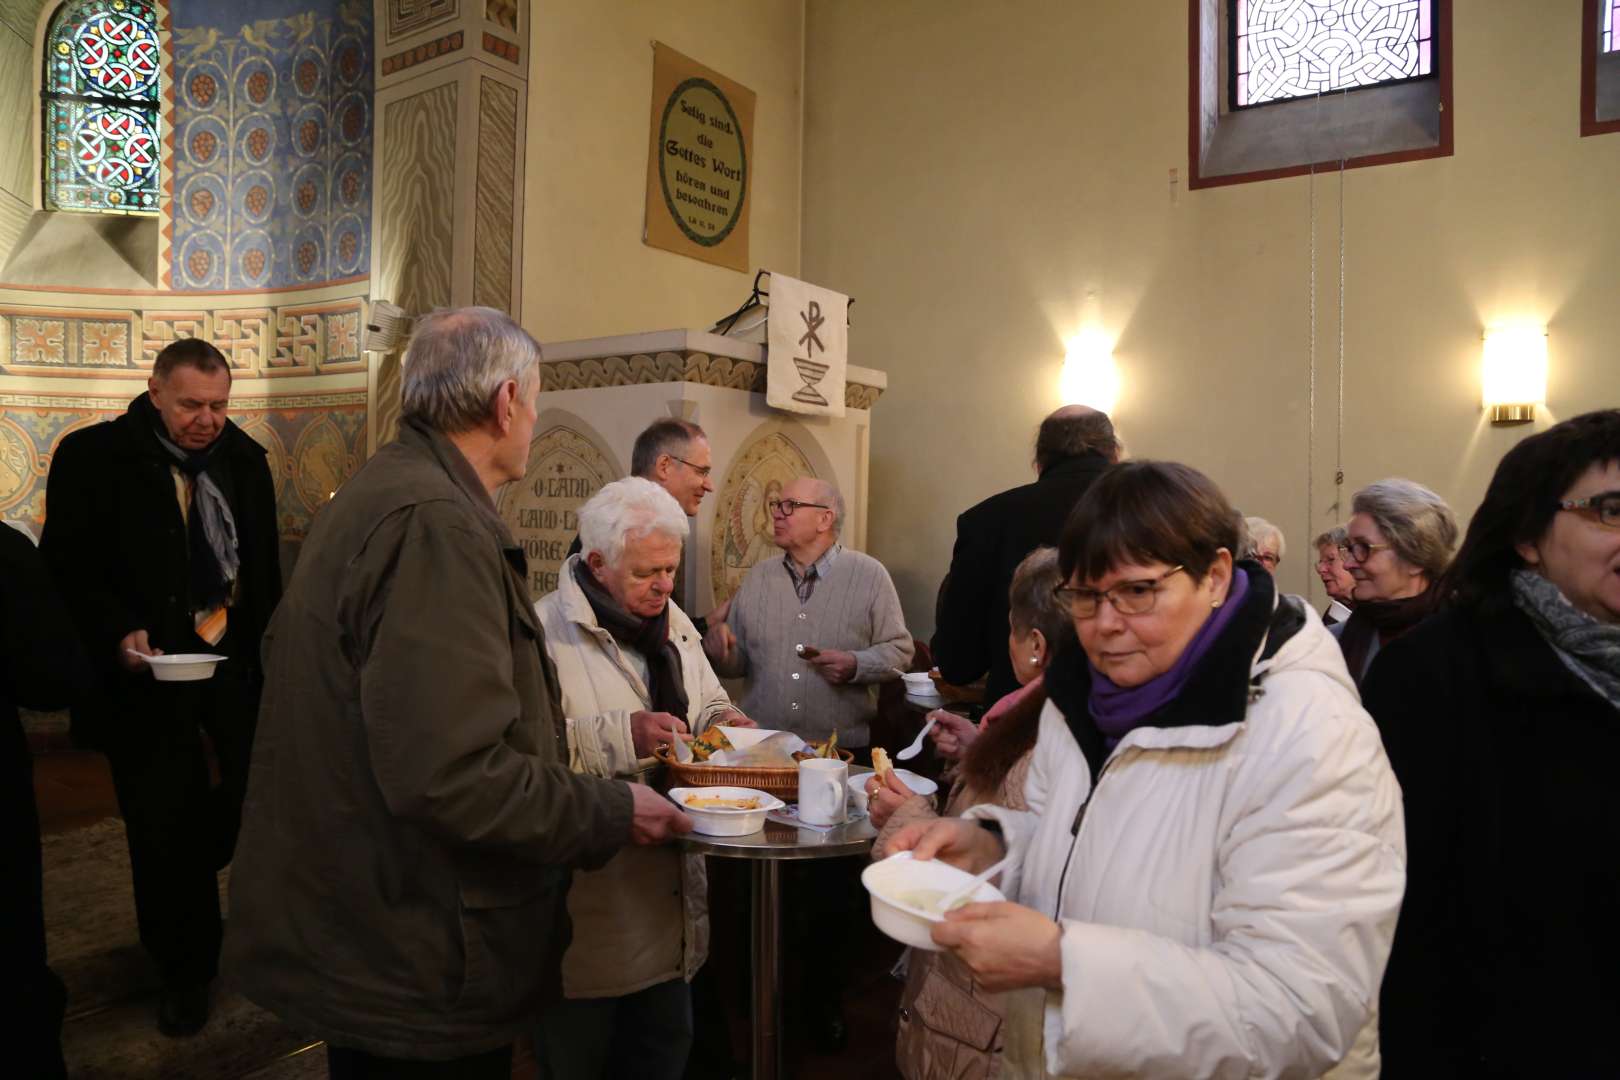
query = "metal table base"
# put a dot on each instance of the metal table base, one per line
(767, 849)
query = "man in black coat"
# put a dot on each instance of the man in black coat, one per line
(1072, 448)
(41, 667)
(161, 533)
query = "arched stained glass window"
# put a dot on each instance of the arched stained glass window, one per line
(101, 135)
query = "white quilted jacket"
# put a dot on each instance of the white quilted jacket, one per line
(1231, 898)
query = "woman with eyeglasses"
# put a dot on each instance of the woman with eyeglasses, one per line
(1502, 719)
(1207, 878)
(1398, 542)
(1265, 543)
(1336, 580)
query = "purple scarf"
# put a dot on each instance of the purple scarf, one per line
(1118, 709)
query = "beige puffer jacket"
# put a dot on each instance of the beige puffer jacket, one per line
(643, 918)
(949, 1027)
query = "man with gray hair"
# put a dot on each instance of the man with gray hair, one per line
(411, 821)
(814, 630)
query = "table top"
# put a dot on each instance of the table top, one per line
(777, 841)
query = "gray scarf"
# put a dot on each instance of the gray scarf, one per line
(211, 584)
(1589, 648)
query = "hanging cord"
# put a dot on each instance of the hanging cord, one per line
(1310, 413)
(1338, 460)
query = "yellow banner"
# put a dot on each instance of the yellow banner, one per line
(699, 162)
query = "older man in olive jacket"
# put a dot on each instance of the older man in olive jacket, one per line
(411, 819)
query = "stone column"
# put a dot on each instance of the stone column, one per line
(452, 96)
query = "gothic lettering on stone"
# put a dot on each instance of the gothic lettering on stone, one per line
(542, 509)
(742, 520)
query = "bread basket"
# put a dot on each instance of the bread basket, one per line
(782, 781)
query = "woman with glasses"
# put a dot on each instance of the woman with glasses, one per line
(1336, 580)
(1265, 543)
(1207, 879)
(1500, 714)
(1398, 542)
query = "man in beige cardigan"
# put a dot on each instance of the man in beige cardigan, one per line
(633, 674)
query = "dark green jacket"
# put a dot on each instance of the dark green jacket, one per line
(411, 820)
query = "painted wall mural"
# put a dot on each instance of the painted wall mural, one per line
(273, 126)
(494, 197)
(567, 465)
(315, 443)
(742, 521)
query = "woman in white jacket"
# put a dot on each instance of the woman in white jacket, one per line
(1208, 876)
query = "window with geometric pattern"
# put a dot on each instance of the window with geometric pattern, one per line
(1282, 49)
(101, 120)
(1611, 32)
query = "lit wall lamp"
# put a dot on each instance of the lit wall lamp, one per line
(1089, 376)
(1515, 373)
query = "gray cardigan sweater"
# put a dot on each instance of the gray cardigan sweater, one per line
(853, 609)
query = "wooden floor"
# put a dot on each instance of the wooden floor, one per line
(75, 790)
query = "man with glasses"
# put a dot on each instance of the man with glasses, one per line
(674, 454)
(814, 630)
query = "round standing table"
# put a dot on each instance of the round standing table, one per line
(767, 849)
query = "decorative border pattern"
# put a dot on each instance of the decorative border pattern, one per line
(294, 339)
(428, 50)
(407, 17)
(693, 367)
(499, 46)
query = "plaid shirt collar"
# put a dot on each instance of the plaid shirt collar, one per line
(805, 584)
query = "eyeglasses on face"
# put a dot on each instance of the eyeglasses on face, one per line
(1128, 597)
(1603, 508)
(785, 507)
(1267, 559)
(1360, 550)
(703, 471)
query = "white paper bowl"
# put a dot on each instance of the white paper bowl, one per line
(726, 822)
(183, 667)
(920, 684)
(919, 785)
(893, 912)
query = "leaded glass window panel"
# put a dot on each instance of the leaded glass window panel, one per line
(1284, 49)
(102, 59)
(1611, 39)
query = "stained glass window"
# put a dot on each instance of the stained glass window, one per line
(101, 107)
(1611, 33)
(1285, 49)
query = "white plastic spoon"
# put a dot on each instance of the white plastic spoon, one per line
(916, 744)
(971, 887)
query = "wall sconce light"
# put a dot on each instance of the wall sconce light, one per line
(1089, 376)
(1515, 373)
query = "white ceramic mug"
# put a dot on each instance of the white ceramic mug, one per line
(823, 791)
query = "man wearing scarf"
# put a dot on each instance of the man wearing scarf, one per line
(632, 671)
(161, 534)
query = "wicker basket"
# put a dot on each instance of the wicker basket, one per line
(783, 782)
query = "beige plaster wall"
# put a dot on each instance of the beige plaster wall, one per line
(586, 272)
(987, 182)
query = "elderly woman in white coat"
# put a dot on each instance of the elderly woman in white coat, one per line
(632, 672)
(1207, 879)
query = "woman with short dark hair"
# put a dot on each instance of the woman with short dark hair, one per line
(1206, 881)
(1500, 717)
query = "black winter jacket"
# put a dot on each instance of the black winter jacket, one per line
(1507, 956)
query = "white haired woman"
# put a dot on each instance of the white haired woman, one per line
(1265, 544)
(632, 674)
(1398, 543)
(1336, 580)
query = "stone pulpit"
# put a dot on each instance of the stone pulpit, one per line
(598, 394)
